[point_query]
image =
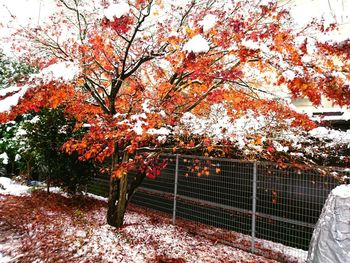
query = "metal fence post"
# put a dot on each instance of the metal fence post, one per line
(175, 187)
(254, 206)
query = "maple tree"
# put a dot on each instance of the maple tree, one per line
(143, 66)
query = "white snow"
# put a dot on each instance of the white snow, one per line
(97, 197)
(4, 92)
(251, 44)
(12, 188)
(335, 136)
(4, 157)
(293, 254)
(7, 103)
(279, 147)
(143, 237)
(197, 44)
(145, 106)
(288, 74)
(135, 243)
(178, 2)
(319, 131)
(138, 123)
(3, 258)
(17, 157)
(330, 11)
(116, 10)
(66, 71)
(208, 22)
(35, 120)
(219, 125)
(160, 131)
(21, 132)
(342, 191)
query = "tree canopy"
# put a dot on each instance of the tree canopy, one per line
(145, 75)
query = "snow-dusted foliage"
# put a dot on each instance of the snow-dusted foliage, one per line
(4, 158)
(208, 22)
(13, 75)
(147, 66)
(61, 71)
(257, 135)
(13, 142)
(65, 71)
(116, 10)
(197, 44)
(11, 71)
(12, 95)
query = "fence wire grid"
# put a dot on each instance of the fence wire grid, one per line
(259, 200)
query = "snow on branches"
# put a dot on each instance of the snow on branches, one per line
(146, 76)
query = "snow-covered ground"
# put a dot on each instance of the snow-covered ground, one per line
(9, 187)
(52, 225)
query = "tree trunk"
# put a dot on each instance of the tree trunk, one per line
(29, 170)
(48, 183)
(117, 200)
(121, 206)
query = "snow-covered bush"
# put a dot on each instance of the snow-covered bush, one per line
(12, 71)
(31, 147)
(13, 148)
(257, 136)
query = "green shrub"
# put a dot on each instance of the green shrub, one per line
(45, 137)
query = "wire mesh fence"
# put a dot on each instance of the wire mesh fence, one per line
(255, 201)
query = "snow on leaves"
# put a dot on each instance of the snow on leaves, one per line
(149, 67)
(197, 44)
(116, 11)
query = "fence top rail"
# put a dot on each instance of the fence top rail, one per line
(211, 158)
(345, 170)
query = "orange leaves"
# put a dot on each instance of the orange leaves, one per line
(280, 39)
(96, 42)
(57, 98)
(302, 87)
(191, 32)
(50, 96)
(174, 41)
(274, 197)
(341, 49)
(120, 171)
(165, 81)
(257, 140)
(75, 146)
(246, 53)
(3, 117)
